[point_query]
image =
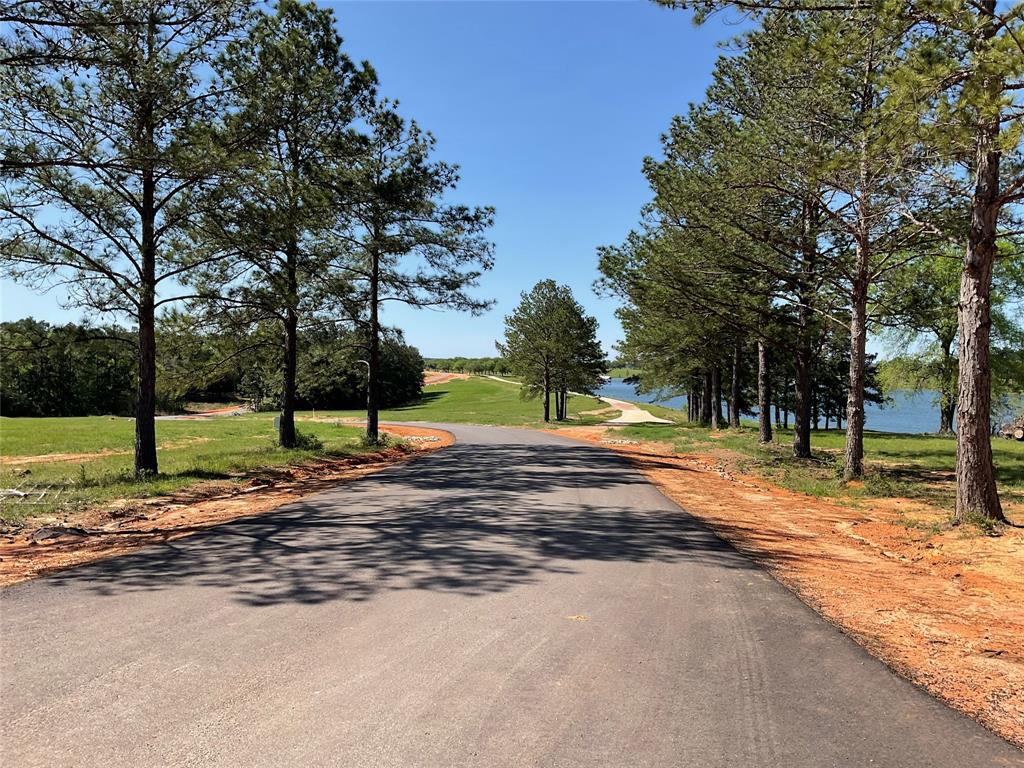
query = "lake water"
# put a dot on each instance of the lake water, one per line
(910, 412)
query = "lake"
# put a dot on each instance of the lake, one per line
(909, 412)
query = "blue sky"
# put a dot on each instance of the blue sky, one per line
(548, 107)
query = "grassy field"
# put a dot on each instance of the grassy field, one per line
(88, 460)
(481, 400)
(623, 373)
(910, 466)
(97, 461)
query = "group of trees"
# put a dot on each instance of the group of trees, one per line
(920, 324)
(76, 370)
(478, 365)
(232, 163)
(551, 345)
(837, 150)
(69, 370)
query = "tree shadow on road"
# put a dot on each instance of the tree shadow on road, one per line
(470, 520)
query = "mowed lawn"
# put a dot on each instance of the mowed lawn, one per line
(481, 400)
(88, 460)
(92, 456)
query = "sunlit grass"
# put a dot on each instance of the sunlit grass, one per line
(481, 400)
(189, 451)
(898, 465)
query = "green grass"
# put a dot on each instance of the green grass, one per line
(224, 447)
(480, 400)
(190, 451)
(911, 466)
(227, 447)
(623, 373)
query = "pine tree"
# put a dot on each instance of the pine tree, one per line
(398, 241)
(297, 97)
(551, 346)
(105, 113)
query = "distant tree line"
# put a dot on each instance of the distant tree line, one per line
(496, 366)
(838, 149)
(226, 160)
(65, 370)
(76, 370)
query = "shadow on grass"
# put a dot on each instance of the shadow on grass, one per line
(425, 399)
(473, 520)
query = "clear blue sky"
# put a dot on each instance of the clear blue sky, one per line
(549, 108)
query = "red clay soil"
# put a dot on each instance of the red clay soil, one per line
(436, 377)
(943, 606)
(46, 545)
(226, 410)
(48, 458)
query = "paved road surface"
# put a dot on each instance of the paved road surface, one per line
(517, 600)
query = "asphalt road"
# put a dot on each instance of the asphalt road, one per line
(516, 600)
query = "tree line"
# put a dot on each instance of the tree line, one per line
(841, 156)
(497, 366)
(229, 162)
(79, 370)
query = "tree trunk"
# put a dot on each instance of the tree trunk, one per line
(853, 457)
(373, 356)
(547, 396)
(145, 400)
(803, 358)
(286, 429)
(764, 396)
(947, 407)
(802, 406)
(976, 492)
(705, 399)
(290, 324)
(947, 397)
(734, 392)
(778, 415)
(716, 397)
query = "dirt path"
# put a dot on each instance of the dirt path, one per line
(73, 538)
(437, 377)
(228, 410)
(631, 413)
(945, 609)
(46, 458)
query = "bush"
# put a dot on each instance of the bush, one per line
(307, 442)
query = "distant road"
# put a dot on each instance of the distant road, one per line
(228, 410)
(629, 413)
(516, 600)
